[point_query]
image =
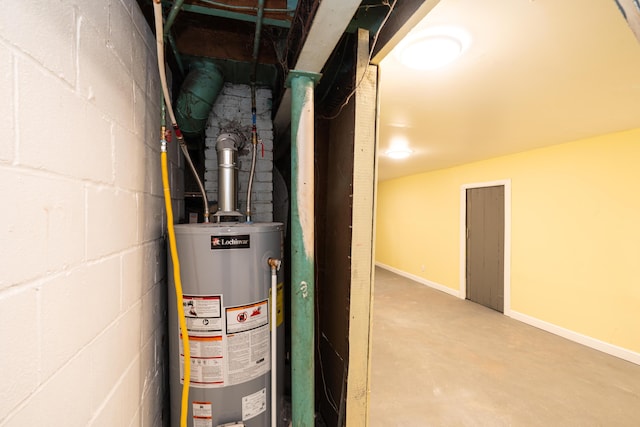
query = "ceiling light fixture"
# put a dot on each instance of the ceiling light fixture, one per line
(398, 153)
(433, 48)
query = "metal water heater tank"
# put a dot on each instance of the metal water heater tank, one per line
(226, 281)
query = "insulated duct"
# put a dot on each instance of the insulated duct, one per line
(197, 95)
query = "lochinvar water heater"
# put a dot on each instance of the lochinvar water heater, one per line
(226, 280)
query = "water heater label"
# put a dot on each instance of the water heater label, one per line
(248, 344)
(246, 317)
(203, 314)
(241, 241)
(254, 404)
(202, 414)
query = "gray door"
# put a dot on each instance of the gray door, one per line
(485, 246)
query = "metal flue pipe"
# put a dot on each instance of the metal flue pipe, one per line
(227, 148)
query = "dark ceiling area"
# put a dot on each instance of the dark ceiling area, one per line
(224, 32)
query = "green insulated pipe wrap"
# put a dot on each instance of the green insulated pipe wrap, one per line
(197, 95)
(302, 247)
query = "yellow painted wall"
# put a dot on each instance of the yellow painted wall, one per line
(575, 256)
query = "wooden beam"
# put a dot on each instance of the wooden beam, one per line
(405, 15)
(223, 43)
(361, 295)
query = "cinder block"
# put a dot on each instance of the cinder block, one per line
(112, 221)
(77, 306)
(211, 163)
(81, 148)
(264, 177)
(43, 224)
(151, 210)
(176, 180)
(102, 78)
(140, 51)
(151, 408)
(136, 273)
(265, 156)
(263, 101)
(19, 359)
(53, 402)
(266, 133)
(157, 261)
(112, 353)
(141, 120)
(129, 159)
(136, 421)
(261, 206)
(7, 142)
(241, 91)
(244, 109)
(153, 79)
(265, 127)
(262, 187)
(226, 108)
(121, 32)
(263, 196)
(121, 405)
(27, 23)
(152, 172)
(143, 29)
(97, 14)
(268, 142)
(147, 363)
(264, 166)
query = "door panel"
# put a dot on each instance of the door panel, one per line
(485, 246)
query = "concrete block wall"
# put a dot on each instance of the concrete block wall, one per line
(232, 113)
(82, 254)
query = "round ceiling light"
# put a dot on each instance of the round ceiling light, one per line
(398, 153)
(430, 52)
(433, 47)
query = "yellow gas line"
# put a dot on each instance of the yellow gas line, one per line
(178, 287)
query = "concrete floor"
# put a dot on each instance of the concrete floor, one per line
(442, 361)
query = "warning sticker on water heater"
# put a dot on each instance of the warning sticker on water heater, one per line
(228, 345)
(246, 317)
(205, 373)
(248, 344)
(205, 324)
(203, 314)
(202, 414)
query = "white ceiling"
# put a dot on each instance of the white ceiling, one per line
(536, 73)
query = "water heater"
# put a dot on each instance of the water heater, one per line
(226, 281)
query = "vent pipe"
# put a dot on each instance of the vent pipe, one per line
(227, 148)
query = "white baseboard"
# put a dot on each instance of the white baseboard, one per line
(421, 280)
(613, 350)
(594, 343)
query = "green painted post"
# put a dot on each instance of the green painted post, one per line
(302, 247)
